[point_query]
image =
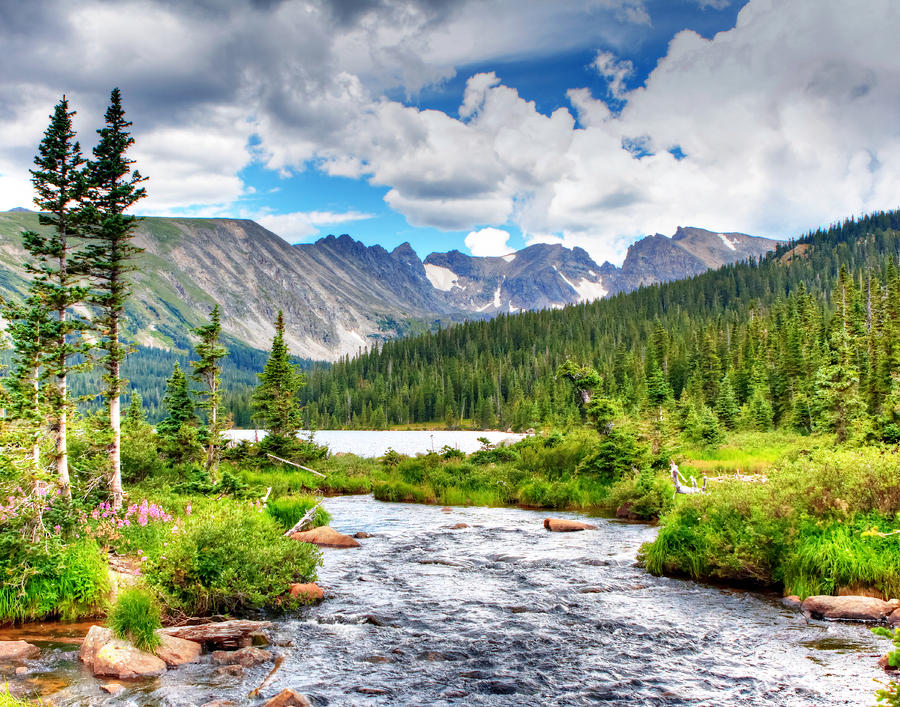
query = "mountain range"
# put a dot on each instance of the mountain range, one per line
(339, 295)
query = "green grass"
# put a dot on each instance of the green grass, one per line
(288, 511)
(136, 616)
(749, 452)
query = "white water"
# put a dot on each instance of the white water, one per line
(374, 443)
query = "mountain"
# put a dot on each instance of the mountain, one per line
(340, 296)
(551, 276)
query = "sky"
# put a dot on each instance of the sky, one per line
(480, 125)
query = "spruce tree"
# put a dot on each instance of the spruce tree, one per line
(109, 258)
(177, 404)
(59, 185)
(727, 407)
(276, 400)
(208, 371)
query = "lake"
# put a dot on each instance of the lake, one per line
(374, 443)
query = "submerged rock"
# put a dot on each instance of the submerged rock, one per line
(288, 698)
(308, 592)
(17, 651)
(884, 664)
(457, 526)
(325, 536)
(245, 657)
(849, 608)
(792, 602)
(361, 535)
(559, 525)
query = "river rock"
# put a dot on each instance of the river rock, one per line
(894, 619)
(792, 602)
(324, 536)
(177, 651)
(308, 592)
(848, 608)
(112, 688)
(288, 698)
(457, 526)
(884, 664)
(96, 638)
(227, 635)
(245, 657)
(234, 671)
(559, 525)
(17, 651)
(361, 535)
(120, 659)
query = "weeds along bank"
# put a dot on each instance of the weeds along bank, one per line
(822, 523)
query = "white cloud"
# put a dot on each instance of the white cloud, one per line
(488, 242)
(302, 224)
(614, 70)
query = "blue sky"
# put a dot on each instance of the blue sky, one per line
(482, 125)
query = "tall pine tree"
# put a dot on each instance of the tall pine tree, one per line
(59, 185)
(208, 371)
(276, 400)
(109, 258)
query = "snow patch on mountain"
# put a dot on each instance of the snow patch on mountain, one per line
(442, 279)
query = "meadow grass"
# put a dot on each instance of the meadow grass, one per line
(135, 616)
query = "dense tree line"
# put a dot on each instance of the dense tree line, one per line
(787, 340)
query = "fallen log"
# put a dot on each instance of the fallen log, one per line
(681, 483)
(299, 466)
(305, 520)
(224, 635)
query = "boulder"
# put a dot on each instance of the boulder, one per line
(893, 620)
(112, 688)
(288, 698)
(308, 592)
(120, 659)
(848, 608)
(17, 651)
(96, 638)
(227, 635)
(885, 664)
(325, 536)
(361, 535)
(792, 602)
(559, 525)
(177, 651)
(245, 657)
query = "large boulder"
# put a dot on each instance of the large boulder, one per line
(17, 651)
(177, 651)
(307, 592)
(559, 525)
(894, 619)
(96, 638)
(325, 536)
(288, 698)
(222, 635)
(849, 608)
(120, 659)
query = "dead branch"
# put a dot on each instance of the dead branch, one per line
(307, 518)
(299, 466)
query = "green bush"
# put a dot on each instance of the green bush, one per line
(288, 511)
(50, 578)
(648, 493)
(232, 559)
(135, 617)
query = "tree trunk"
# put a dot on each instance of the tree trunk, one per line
(115, 447)
(62, 453)
(36, 448)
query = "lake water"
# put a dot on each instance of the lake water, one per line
(374, 443)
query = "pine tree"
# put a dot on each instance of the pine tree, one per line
(177, 404)
(59, 185)
(727, 407)
(134, 413)
(109, 258)
(276, 400)
(208, 371)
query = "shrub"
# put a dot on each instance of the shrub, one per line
(288, 511)
(135, 617)
(232, 559)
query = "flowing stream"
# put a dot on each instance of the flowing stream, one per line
(506, 613)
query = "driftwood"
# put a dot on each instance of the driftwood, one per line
(305, 520)
(225, 635)
(255, 692)
(299, 466)
(681, 484)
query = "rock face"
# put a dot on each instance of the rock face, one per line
(308, 592)
(176, 651)
(288, 698)
(559, 525)
(227, 635)
(325, 536)
(849, 608)
(17, 651)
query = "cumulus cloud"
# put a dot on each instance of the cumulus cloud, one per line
(784, 122)
(298, 225)
(488, 242)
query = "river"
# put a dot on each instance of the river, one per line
(506, 613)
